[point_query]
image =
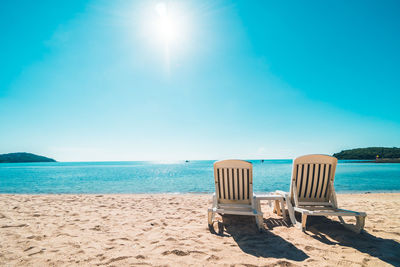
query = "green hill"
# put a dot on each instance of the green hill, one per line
(369, 153)
(23, 157)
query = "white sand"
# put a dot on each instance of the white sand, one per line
(130, 230)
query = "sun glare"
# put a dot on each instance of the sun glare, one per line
(166, 28)
(167, 25)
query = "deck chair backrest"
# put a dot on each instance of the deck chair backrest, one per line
(312, 175)
(233, 181)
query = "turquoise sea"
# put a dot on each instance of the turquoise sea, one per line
(177, 177)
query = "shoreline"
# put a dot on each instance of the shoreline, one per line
(177, 194)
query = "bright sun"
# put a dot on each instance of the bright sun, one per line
(167, 26)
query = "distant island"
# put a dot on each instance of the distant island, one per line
(23, 157)
(376, 154)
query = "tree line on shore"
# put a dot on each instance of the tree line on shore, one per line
(369, 153)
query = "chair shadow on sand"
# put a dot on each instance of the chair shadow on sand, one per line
(265, 244)
(332, 232)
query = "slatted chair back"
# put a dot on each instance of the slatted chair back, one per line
(233, 181)
(312, 179)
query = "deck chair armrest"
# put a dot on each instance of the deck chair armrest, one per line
(256, 205)
(256, 198)
(282, 193)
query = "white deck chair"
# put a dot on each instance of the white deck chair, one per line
(312, 192)
(234, 191)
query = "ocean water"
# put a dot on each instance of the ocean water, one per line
(177, 177)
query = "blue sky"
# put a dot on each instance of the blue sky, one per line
(168, 80)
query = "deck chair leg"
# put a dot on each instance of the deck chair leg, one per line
(341, 220)
(211, 213)
(283, 209)
(259, 218)
(211, 216)
(292, 216)
(259, 222)
(360, 222)
(277, 208)
(303, 221)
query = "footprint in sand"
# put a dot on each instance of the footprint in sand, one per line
(16, 225)
(140, 257)
(120, 238)
(102, 258)
(96, 228)
(309, 248)
(213, 258)
(176, 252)
(117, 259)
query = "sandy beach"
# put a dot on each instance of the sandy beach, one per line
(171, 230)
